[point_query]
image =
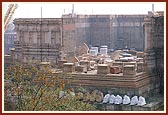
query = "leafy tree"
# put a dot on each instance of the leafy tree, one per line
(38, 90)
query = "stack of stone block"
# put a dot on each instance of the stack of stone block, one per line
(61, 62)
(85, 64)
(68, 67)
(79, 68)
(103, 69)
(131, 63)
(129, 70)
(120, 64)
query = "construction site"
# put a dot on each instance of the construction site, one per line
(102, 54)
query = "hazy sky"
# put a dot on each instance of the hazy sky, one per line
(56, 9)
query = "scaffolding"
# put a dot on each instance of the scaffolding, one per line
(9, 14)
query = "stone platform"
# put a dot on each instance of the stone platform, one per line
(138, 84)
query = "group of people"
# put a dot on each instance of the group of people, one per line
(112, 99)
(97, 96)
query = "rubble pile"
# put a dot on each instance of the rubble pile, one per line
(128, 62)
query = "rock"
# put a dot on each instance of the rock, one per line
(106, 98)
(86, 96)
(126, 99)
(72, 94)
(112, 99)
(141, 101)
(118, 99)
(92, 98)
(79, 96)
(134, 100)
(61, 94)
(99, 96)
(93, 95)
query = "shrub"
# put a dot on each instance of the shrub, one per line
(38, 90)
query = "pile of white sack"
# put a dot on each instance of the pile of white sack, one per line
(112, 99)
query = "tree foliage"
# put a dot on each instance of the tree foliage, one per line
(38, 90)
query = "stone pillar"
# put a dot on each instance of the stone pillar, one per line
(140, 66)
(130, 63)
(103, 69)
(85, 64)
(129, 70)
(120, 64)
(68, 67)
(79, 68)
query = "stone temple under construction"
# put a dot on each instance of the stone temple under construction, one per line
(57, 41)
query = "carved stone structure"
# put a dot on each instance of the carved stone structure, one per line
(43, 39)
(38, 40)
(154, 46)
(154, 36)
(69, 37)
